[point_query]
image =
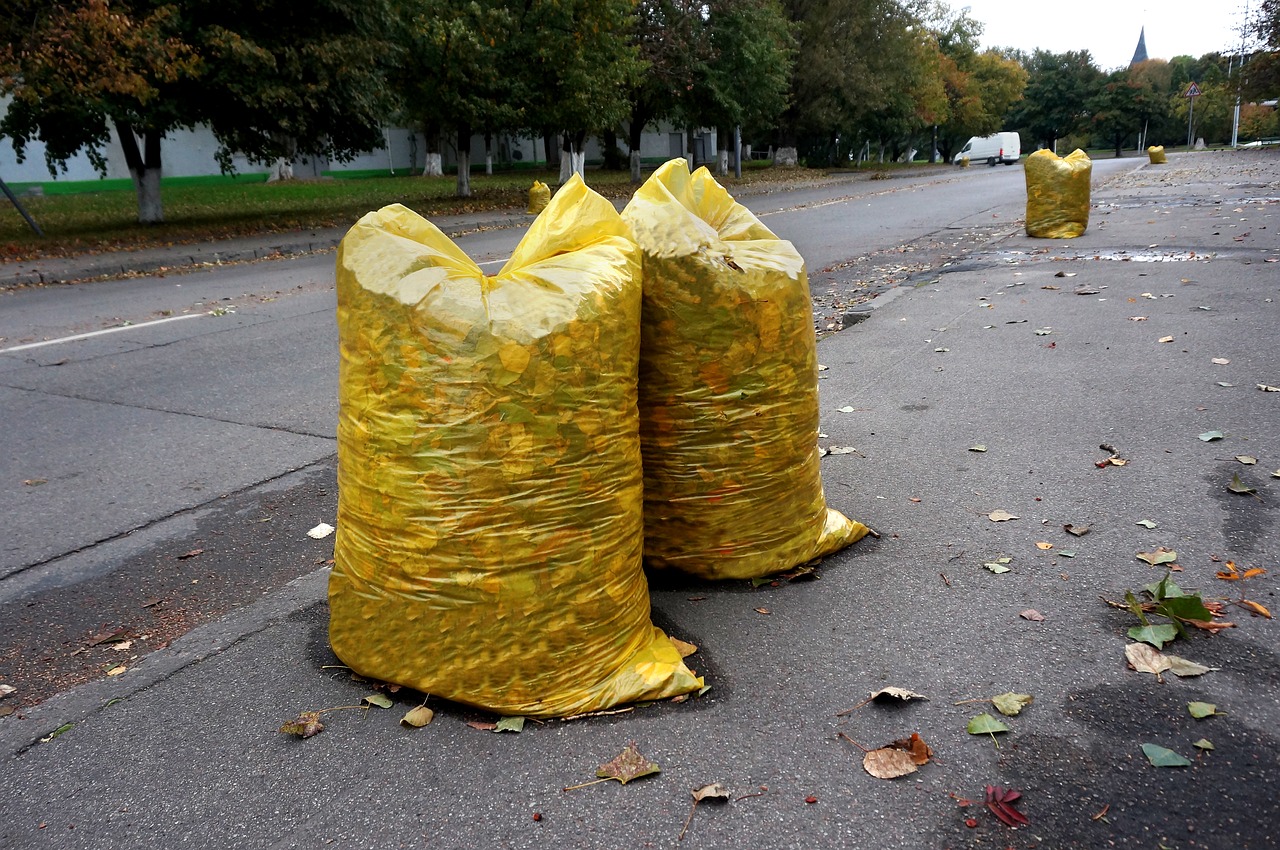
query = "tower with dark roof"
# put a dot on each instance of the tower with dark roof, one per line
(1140, 53)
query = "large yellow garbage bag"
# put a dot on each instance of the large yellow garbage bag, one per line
(1156, 154)
(1058, 194)
(728, 388)
(489, 512)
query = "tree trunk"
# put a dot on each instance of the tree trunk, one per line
(691, 146)
(566, 157)
(609, 145)
(635, 134)
(488, 153)
(144, 168)
(723, 137)
(464, 162)
(549, 146)
(786, 157)
(282, 168)
(433, 167)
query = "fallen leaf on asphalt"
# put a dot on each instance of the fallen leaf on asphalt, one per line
(996, 568)
(1157, 636)
(304, 725)
(1201, 710)
(1238, 486)
(1043, 545)
(888, 763)
(763, 611)
(5, 690)
(846, 409)
(1256, 608)
(1247, 460)
(683, 647)
(194, 553)
(117, 670)
(978, 448)
(1227, 384)
(1137, 318)
(1220, 361)
(1160, 556)
(1011, 704)
(1183, 668)
(1145, 523)
(628, 765)
(715, 792)
(320, 531)
(1076, 530)
(108, 636)
(1203, 744)
(1032, 615)
(1166, 339)
(1088, 291)
(1001, 516)
(122, 646)
(999, 801)
(1065, 274)
(380, 700)
(1210, 436)
(1146, 659)
(1064, 553)
(509, 724)
(985, 724)
(1163, 756)
(1267, 388)
(811, 799)
(894, 694)
(1043, 331)
(417, 717)
(843, 450)
(36, 482)
(483, 725)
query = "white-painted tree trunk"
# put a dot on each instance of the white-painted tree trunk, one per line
(464, 181)
(434, 167)
(635, 166)
(147, 185)
(488, 163)
(281, 169)
(722, 163)
(787, 157)
(572, 162)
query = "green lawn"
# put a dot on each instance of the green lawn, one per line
(102, 217)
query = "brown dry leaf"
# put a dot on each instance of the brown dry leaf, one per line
(482, 725)
(1160, 556)
(1183, 667)
(1146, 659)
(1254, 571)
(889, 763)
(628, 765)
(715, 792)
(683, 647)
(117, 670)
(763, 611)
(417, 717)
(1001, 516)
(1043, 545)
(304, 725)
(1230, 573)
(892, 693)
(1032, 615)
(1079, 530)
(915, 746)
(1256, 608)
(194, 553)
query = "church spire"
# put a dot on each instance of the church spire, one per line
(1140, 53)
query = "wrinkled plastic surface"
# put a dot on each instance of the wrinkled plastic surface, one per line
(1058, 194)
(1156, 154)
(539, 197)
(728, 388)
(489, 512)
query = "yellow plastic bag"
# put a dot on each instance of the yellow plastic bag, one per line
(539, 197)
(728, 388)
(489, 512)
(1058, 194)
(1156, 154)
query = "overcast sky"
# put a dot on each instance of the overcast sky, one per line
(1109, 29)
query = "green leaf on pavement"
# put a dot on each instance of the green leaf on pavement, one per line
(380, 700)
(1210, 436)
(1160, 556)
(996, 568)
(1145, 523)
(510, 724)
(1163, 756)
(985, 724)
(1185, 608)
(1238, 486)
(1165, 588)
(1201, 710)
(1065, 553)
(1010, 704)
(1183, 667)
(1157, 636)
(1247, 460)
(1203, 744)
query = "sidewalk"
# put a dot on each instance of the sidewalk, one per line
(1038, 350)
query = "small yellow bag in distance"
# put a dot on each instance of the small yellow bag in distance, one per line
(728, 388)
(539, 197)
(1058, 194)
(1157, 155)
(490, 508)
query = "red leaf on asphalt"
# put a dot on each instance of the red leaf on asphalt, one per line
(482, 725)
(1000, 802)
(811, 799)
(1032, 614)
(194, 553)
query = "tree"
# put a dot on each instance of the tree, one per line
(1114, 109)
(1261, 74)
(77, 71)
(1058, 85)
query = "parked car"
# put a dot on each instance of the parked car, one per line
(1000, 147)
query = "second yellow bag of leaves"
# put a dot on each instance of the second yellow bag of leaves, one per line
(1058, 194)
(728, 388)
(489, 510)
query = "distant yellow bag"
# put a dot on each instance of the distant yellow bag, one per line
(539, 197)
(489, 510)
(1156, 154)
(1058, 194)
(728, 388)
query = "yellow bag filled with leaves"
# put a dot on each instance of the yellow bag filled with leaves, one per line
(728, 388)
(490, 508)
(1156, 154)
(539, 197)
(1058, 194)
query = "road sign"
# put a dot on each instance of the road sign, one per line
(1193, 90)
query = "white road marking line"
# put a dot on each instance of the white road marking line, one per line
(98, 333)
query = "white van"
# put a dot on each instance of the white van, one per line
(1001, 147)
